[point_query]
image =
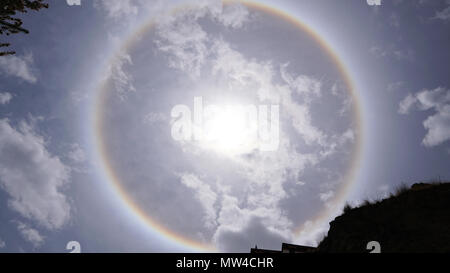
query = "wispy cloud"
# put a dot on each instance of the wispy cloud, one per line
(18, 66)
(31, 235)
(77, 153)
(443, 14)
(346, 101)
(234, 16)
(395, 86)
(185, 43)
(118, 8)
(121, 79)
(403, 54)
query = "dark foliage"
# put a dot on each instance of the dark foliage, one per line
(10, 23)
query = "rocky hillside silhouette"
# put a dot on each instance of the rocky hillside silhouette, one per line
(415, 219)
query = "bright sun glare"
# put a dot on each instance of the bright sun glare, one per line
(230, 130)
(227, 129)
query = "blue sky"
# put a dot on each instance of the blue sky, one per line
(54, 182)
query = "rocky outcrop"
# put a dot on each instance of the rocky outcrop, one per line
(414, 220)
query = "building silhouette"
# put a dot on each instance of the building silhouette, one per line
(285, 248)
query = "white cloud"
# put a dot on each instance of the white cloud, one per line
(348, 135)
(32, 177)
(438, 124)
(265, 220)
(407, 104)
(271, 170)
(232, 15)
(5, 97)
(438, 127)
(30, 234)
(325, 196)
(19, 67)
(2, 243)
(312, 233)
(205, 195)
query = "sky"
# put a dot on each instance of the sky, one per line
(192, 126)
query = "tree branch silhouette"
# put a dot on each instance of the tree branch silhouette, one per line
(9, 21)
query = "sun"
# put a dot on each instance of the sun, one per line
(229, 130)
